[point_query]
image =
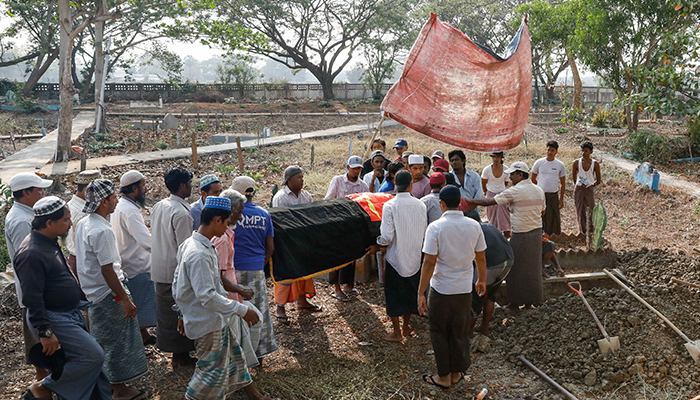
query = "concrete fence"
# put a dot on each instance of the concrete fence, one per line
(268, 91)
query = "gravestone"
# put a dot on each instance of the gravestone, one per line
(169, 122)
(646, 175)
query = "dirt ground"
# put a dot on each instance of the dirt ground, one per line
(339, 354)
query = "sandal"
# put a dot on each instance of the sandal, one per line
(283, 319)
(311, 309)
(431, 381)
(461, 378)
(353, 292)
(341, 297)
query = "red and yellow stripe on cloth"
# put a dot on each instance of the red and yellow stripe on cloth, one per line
(372, 203)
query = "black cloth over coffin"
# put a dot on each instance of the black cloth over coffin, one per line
(314, 238)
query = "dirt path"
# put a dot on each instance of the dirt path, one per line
(38, 154)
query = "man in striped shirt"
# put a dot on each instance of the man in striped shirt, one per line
(527, 204)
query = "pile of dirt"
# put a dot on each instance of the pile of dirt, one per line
(658, 266)
(560, 338)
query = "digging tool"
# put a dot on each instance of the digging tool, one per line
(608, 344)
(549, 380)
(693, 347)
(674, 280)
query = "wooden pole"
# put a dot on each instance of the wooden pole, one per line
(685, 283)
(376, 131)
(240, 153)
(195, 160)
(313, 150)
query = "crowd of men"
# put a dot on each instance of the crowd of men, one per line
(197, 275)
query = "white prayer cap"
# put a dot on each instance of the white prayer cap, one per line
(130, 177)
(415, 159)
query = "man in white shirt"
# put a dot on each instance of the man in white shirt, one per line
(452, 244)
(171, 224)
(404, 219)
(293, 193)
(27, 188)
(341, 186)
(134, 245)
(550, 174)
(375, 179)
(112, 312)
(527, 203)
(76, 205)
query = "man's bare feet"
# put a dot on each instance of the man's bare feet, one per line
(253, 393)
(456, 377)
(393, 337)
(560, 272)
(406, 330)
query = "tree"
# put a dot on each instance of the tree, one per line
(486, 22)
(236, 70)
(169, 62)
(673, 87)
(37, 19)
(617, 39)
(551, 28)
(320, 36)
(390, 38)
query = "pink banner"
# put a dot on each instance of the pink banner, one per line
(456, 92)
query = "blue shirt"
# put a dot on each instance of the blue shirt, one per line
(386, 186)
(196, 213)
(251, 232)
(471, 188)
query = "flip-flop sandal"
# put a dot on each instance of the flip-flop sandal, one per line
(282, 319)
(311, 309)
(353, 292)
(431, 381)
(340, 297)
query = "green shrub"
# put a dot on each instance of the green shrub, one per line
(617, 118)
(600, 118)
(161, 145)
(571, 115)
(325, 104)
(694, 131)
(561, 131)
(650, 146)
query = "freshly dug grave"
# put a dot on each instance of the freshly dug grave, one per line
(560, 338)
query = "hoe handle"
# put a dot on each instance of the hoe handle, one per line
(579, 291)
(636, 296)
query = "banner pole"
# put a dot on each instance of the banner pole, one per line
(376, 131)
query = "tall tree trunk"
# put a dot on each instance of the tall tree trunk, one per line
(578, 86)
(43, 63)
(327, 85)
(65, 115)
(99, 64)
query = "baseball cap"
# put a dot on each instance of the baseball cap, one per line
(243, 184)
(26, 180)
(400, 143)
(377, 153)
(441, 165)
(402, 180)
(290, 172)
(437, 178)
(354, 162)
(415, 159)
(439, 154)
(130, 177)
(517, 166)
